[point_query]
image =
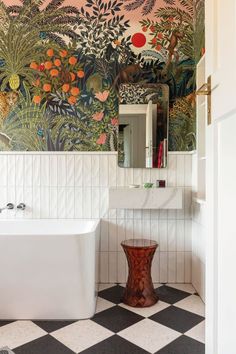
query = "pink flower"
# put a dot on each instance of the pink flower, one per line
(102, 139)
(102, 96)
(98, 116)
(114, 121)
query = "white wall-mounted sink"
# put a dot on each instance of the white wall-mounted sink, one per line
(142, 198)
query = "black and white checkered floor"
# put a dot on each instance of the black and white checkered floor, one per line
(175, 325)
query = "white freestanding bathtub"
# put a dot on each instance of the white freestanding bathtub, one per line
(48, 269)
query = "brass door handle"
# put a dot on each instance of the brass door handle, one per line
(204, 90)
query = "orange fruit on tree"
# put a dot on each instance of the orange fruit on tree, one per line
(34, 65)
(65, 87)
(47, 87)
(50, 52)
(72, 75)
(37, 99)
(36, 83)
(75, 91)
(57, 62)
(80, 74)
(72, 60)
(63, 53)
(48, 65)
(54, 72)
(72, 100)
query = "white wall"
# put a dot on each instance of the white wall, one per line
(199, 223)
(75, 185)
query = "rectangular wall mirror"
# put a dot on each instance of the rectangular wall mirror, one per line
(143, 126)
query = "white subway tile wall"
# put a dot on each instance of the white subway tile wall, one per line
(75, 185)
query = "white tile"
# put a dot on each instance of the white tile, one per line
(112, 160)
(95, 171)
(61, 207)
(180, 267)
(78, 203)
(120, 233)
(184, 287)
(70, 203)
(95, 202)
(36, 202)
(103, 304)
(87, 203)
(87, 171)
(70, 171)
(104, 245)
(154, 231)
(19, 178)
(44, 198)
(28, 170)
(120, 176)
(180, 229)
(129, 176)
(28, 200)
(82, 334)
(193, 304)
(18, 333)
(53, 171)
(188, 170)
(104, 267)
(104, 286)
(44, 170)
(103, 171)
(53, 203)
(149, 335)
(187, 267)
(78, 170)
(163, 235)
(156, 267)
(171, 267)
(197, 332)
(61, 168)
(147, 311)
(113, 261)
(171, 236)
(36, 171)
(11, 170)
(163, 267)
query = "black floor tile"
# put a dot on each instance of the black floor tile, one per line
(51, 326)
(113, 294)
(177, 319)
(116, 318)
(114, 345)
(43, 345)
(183, 345)
(171, 295)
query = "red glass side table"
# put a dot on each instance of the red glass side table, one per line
(139, 291)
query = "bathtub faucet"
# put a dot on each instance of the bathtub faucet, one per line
(21, 206)
(9, 206)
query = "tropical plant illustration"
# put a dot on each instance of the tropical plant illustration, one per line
(61, 67)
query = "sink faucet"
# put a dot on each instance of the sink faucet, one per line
(21, 206)
(9, 206)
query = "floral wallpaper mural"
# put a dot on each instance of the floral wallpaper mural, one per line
(62, 61)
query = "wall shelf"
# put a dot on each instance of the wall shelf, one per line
(142, 198)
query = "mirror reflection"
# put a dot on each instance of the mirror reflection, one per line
(143, 126)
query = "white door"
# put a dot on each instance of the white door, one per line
(221, 178)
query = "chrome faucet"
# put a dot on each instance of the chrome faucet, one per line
(21, 206)
(9, 206)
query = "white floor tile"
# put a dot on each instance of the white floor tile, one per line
(184, 287)
(147, 311)
(149, 335)
(82, 334)
(103, 304)
(18, 333)
(197, 332)
(105, 286)
(193, 304)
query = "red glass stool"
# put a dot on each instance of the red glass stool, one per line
(139, 291)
